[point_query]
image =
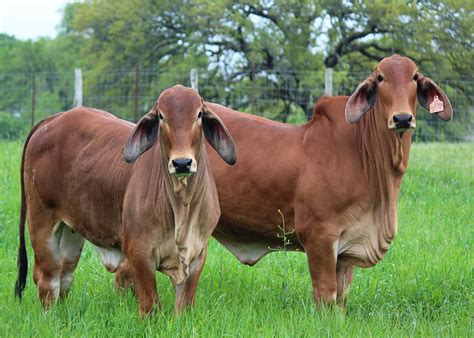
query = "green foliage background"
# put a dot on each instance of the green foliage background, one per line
(267, 57)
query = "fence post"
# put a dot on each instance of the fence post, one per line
(254, 109)
(194, 78)
(33, 98)
(77, 87)
(328, 82)
(137, 90)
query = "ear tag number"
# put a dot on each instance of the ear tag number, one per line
(436, 106)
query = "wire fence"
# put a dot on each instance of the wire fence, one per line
(284, 96)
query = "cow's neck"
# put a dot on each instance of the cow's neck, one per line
(385, 160)
(182, 190)
(186, 196)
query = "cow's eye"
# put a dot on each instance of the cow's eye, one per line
(199, 114)
(160, 116)
(379, 78)
(415, 77)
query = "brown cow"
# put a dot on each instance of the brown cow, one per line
(158, 212)
(336, 183)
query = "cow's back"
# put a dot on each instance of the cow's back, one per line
(74, 167)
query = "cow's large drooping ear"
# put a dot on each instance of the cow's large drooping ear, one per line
(218, 136)
(431, 97)
(142, 137)
(361, 100)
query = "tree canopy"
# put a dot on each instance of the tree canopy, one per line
(280, 34)
(280, 47)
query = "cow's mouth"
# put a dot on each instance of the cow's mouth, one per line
(401, 131)
(182, 174)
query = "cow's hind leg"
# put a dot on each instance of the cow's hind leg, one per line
(36, 272)
(70, 248)
(45, 233)
(186, 292)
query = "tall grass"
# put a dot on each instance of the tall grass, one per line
(423, 287)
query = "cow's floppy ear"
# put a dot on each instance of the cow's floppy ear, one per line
(142, 137)
(361, 100)
(431, 97)
(218, 136)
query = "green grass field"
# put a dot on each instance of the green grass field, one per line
(423, 287)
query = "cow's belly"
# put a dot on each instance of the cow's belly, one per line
(110, 258)
(360, 242)
(108, 249)
(249, 245)
(246, 252)
(102, 230)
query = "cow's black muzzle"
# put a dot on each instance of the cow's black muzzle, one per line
(182, 165)
(402, 122)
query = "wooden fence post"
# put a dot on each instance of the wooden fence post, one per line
(328, 82)
(254, 108)
(33, 98)
(136, 93)
(194, 79)
(77, 87)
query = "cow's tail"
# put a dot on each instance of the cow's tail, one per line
(22, 261)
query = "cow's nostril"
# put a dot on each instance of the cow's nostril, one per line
(403, 121)
(402, 118)
(182, 165)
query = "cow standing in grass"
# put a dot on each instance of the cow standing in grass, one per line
(157, 212)
(336, 183)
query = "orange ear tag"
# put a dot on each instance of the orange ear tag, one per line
(436, 106)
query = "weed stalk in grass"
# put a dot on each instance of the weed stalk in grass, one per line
(286, 266)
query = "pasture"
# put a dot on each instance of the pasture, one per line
(424, 285)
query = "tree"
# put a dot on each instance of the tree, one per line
(276, 41)
(50, 60)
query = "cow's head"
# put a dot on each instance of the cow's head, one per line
(394, 86)
(179, 118)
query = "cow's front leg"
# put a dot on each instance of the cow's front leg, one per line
(143, 274)
(322, 256)
(344, 272)
(186, 292)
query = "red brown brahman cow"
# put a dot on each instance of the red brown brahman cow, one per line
(157, 212)
(336, 183)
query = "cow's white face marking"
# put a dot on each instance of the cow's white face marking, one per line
(110, 257)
